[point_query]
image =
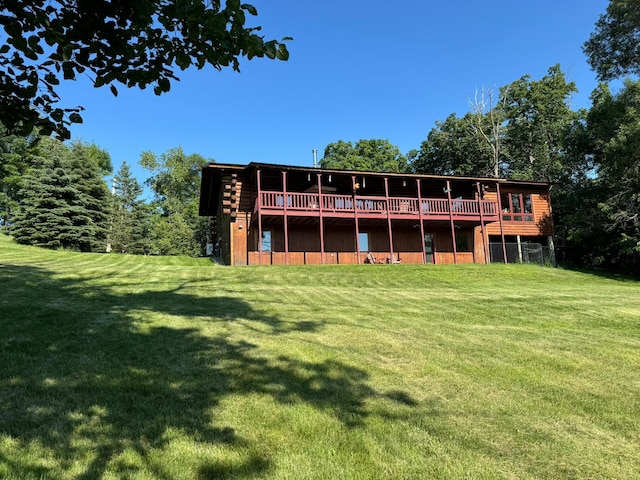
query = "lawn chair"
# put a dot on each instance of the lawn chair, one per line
(393, 259)
(370, 258)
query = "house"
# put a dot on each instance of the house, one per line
(277, 214)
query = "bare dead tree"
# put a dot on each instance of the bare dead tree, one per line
(483, 109)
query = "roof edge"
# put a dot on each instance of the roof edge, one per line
(259, 165)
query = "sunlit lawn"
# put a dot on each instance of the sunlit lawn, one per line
(116, 366)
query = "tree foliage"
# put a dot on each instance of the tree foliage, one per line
(135, 43)
(129, 225)
(538, 117)
(614, 128)
(613, 50)
(454, 148)
(176, 227)
(523, 136)
(63, 202)
(373, 155)
(15, 152)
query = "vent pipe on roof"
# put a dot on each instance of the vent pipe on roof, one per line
(315, 158)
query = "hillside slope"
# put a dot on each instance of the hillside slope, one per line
(116, 366)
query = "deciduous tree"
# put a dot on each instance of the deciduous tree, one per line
(15, 162)
(453, 147)
(615, 133)
(373, 155)
(135, 43)
(613, 50)
(538, 115)
(176, 227)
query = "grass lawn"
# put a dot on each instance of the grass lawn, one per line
(115, 366)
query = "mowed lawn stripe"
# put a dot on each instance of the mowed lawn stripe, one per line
(118, 366)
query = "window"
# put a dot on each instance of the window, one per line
(463, 243)
(517, 207)
(363, 241)
(266, 241)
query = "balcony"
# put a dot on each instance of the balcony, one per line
(330, 205)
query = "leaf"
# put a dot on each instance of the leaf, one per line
(183, 60)
(164, 84)
(67, 69)
(114, 90)
(250, 8)
(66, 51)
(57, 114)
(282, 53)
(51, 78)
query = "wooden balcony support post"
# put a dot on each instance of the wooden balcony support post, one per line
(484, 239)
(322, 256)
(453, 228)
(388, 202)
(258, 181)
(504, 246)
(286, 218)
(424, 250)
(355, 216)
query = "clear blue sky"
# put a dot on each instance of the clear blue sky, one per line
(358, 69)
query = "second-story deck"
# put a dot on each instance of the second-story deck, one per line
(331, 205)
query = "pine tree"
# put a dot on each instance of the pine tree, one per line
(129, 226)
(94, 191)
(63, 201)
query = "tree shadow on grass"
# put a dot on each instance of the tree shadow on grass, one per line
(85, 389)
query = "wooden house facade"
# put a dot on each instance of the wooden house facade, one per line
(265, 214)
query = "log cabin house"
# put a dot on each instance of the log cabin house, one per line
(263, 214)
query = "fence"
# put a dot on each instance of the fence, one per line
(528, 252)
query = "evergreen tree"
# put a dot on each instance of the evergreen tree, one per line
(63, 201)
(88, 166)
(129, 223)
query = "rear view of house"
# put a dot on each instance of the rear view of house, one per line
(275, 214)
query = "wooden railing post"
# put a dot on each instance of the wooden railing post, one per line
(484, 240)
(424, 250)
(386, 193)
(321, 222)
(258, 181)
(355, 216)
(286, 219)
(453, 229)
(504, 246)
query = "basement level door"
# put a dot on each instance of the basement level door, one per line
(428, 246)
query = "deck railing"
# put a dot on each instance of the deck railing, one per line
(310, 202)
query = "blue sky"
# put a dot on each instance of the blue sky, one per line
(358, 69)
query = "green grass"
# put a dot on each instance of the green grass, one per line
(115, 366)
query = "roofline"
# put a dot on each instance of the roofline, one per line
(258, 165)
